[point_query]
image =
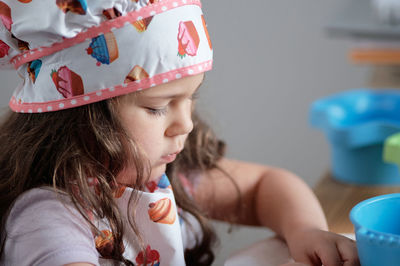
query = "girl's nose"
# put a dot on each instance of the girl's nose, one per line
(181, 123)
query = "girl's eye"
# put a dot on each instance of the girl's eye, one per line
(157, 112)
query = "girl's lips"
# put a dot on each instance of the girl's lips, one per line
(169, 158)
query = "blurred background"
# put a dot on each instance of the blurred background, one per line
(272, 60)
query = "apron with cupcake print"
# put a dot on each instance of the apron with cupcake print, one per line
(156, 216)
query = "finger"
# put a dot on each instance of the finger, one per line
(330, 256)
(305, 259)
(348, 252)
(295, 264)
(308, 259)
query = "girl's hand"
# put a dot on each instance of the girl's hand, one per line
(318, 247)
(294, 264)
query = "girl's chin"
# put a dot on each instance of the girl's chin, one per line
(158, 171)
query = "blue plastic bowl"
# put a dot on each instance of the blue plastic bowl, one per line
(377, 227)
(356, 123)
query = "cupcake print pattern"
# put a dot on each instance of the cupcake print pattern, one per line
(162, 183)
(142, 24)
(67, 82)
(162, 211)
(34, 69)
(105, 244)
(119, 191)
(163, 238)
(75, 6)
(22, 45)
(103, 48)
(137, 73)
(206, 31)
(188, 39)
(5, 15)
(4, 48)
(111, 13)
(152, 257)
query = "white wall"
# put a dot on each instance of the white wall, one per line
(272, 60)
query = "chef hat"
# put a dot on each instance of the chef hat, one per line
(75, 52)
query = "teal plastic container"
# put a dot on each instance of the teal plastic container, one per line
(377, 228)
(356, 124)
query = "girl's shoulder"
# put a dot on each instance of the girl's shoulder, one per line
(43, 228)
(40, 205)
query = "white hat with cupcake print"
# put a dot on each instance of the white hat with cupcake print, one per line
(75, 52)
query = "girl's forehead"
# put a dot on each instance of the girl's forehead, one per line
(183, 87)
(180, 87)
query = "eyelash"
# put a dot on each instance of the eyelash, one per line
(156, 112)
(195, 96)
(163, 111)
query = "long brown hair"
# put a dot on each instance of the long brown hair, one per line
(62, 149)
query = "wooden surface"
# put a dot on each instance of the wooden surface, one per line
(337, 199)
(384, 76)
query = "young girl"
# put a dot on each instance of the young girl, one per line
(104, 160)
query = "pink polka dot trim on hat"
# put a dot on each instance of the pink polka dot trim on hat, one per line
(110, 92)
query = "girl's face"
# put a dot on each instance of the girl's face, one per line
(159, 120)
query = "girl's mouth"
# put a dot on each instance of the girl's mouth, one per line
(169, 157)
